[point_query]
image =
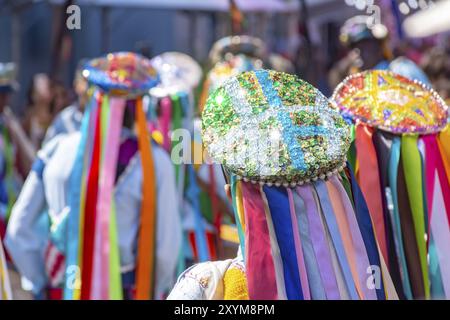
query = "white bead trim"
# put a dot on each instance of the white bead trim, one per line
(293, 184)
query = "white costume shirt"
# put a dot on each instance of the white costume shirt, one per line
(46, 187)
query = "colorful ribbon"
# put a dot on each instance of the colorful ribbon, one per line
(319, 243)
(112, 125)
(90, 214)
(260, 269)
(395, 217)
(76, 203)
(368, 178)
(336, 237)
(280, 212)
(147, 231)
(166, 116)
(413, 177)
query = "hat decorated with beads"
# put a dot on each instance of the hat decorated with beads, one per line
(124, 74)
(270, 127)
(391, 102)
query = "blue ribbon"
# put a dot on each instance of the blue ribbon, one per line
(394, 159)
(75, 183)
(365, 225)
(278, 201)
(193, 194)
(312, 268)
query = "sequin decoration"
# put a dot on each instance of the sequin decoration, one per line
(121, 74)
(274, 128)
(391, 102)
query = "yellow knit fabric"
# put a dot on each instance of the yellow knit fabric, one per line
(235, 285)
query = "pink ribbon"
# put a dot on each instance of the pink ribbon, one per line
(362, 259)
(166, 115)
(438, 201)
(260, 269)
(434, 163)
(100, 289)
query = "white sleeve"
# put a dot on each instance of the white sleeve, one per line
(24, 240)
(169, 230)
(27, 233)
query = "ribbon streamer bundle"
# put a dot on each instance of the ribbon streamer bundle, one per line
(172, 109)
(119, 81)
(229, 60)
(304, 227)
(401, 157)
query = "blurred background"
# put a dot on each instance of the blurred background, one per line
(33, 33)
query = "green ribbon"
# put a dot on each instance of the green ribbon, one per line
(116, 292)
(177, 115)
(412, 164)
(351, 154)
(9, 174)
(348, 188)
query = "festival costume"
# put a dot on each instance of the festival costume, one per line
(9, 179)
(216, 207)
(172, 113)
(303, 225)
(66, 121)
(401, 160)
(114, 230)
(361, 28)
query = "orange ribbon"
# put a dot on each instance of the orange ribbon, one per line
(146, 242)
(444, 147)
(369, 181)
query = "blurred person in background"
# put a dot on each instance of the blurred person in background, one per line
(43, 258)
(38, 113)
(436, 64)
(60, 99)
(68, 119)
(369, 49)
(9, 181)
(13, 143)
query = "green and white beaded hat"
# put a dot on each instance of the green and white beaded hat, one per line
(271, 127)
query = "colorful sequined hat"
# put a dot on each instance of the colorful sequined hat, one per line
(391, 102)
(8, 77)
(270, 128)
(360, 28)
(125, 74)
(281, 146)
(401, 156)
(247, 45)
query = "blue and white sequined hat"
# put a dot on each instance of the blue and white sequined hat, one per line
(270, 127)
